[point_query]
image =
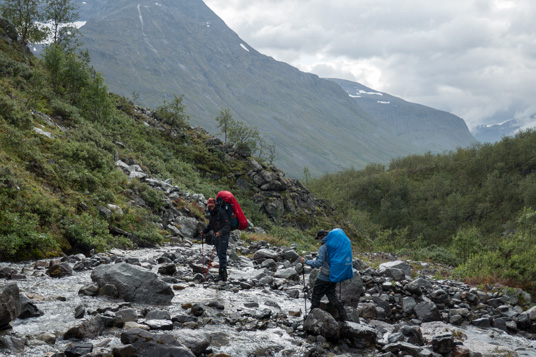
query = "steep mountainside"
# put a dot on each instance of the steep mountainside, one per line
(182, 48)
(427, 128)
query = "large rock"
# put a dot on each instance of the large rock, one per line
(13, 344)
(187, 225)
(146, 344)
(419, 286)
(408, 304)
(291, 255)
(10, 307)
(90, 328)
(358, 335)
(289, 273)
(28, 308)
(397, 264)
(60, 270)
(263, 254)
(427, 311)
(532, 313)
(350, 290)
(133, 284)
(319, 322)
(196, 341)
(78, 349)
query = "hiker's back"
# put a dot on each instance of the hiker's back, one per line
(340, 256)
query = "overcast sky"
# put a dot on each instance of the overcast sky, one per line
(473, 58)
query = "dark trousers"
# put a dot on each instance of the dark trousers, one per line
(221, 243)
(327, 288)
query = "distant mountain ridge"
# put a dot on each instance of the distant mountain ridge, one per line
(180, 47)
(427, 128)
(492, 133)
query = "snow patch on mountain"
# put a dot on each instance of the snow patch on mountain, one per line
(48, 26)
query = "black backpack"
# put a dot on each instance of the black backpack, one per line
(228, 209)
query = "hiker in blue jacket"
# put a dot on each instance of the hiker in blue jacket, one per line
(323, 286)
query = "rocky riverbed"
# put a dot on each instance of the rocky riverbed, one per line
(153, 302)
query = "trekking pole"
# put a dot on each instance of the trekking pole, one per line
(203, 250)
(304, 292)
(208, 265)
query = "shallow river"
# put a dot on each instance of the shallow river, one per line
(58, 298)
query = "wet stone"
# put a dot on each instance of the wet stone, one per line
(60, 270)
(216, 304)
(443, 344)
(79, 312)
(47, 337)
(158, 315)
(78, 349)
(159, 324)
(483, 322)
(197, 310)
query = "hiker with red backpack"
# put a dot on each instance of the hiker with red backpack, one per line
(220, 224)
(225, 216)
(335, 262)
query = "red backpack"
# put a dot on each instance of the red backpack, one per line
(238, 220)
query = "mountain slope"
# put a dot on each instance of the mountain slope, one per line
(182, 48)
(429, 129)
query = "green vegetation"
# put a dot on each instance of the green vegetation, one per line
(244, 137)
(452, 207)
(51, 185)
(174, 114)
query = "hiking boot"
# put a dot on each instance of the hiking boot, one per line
(342, 314)
(223, 274)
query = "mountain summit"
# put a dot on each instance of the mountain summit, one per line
(181, 47)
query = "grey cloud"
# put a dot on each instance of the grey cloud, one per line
(474, 59)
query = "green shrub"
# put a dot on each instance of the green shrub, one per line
(391, 240)
(13, 114)
(20, 231)
(512, 261)
(435, 254)
(467, 243)
(64, 110)
(86, 154)
(140, 223)
(87, 232)
(11, 68)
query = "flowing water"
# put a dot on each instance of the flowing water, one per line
(58, 298)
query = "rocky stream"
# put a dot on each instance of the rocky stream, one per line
(156, 302)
